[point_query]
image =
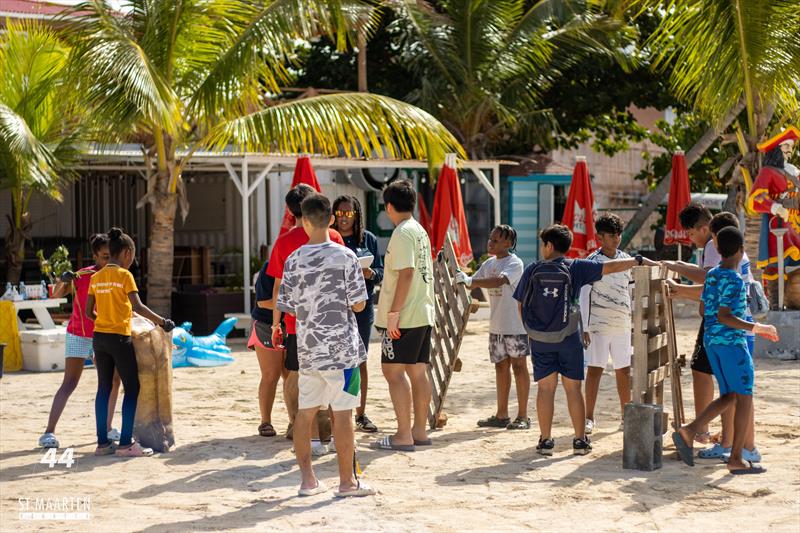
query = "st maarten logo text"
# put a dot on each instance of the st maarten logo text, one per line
(67, 508)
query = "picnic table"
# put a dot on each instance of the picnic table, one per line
(40, 310)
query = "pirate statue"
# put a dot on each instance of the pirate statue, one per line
(776, 195)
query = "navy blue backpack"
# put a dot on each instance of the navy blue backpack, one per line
(549, 313)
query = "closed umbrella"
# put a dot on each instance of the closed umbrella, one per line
(424, 216)
(303, 173)
(679, 198)
(448, 214)
(579, 211)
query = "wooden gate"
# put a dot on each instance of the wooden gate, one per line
(453, 307)
(654, 344)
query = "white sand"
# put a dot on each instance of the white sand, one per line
(222, 476)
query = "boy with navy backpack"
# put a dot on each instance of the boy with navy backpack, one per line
(548, 304)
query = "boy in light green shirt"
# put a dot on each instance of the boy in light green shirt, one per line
(405, 314)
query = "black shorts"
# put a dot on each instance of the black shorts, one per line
(413, 346)
(700, 362)
(291, 362)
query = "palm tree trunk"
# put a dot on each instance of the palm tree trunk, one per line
(656, 196)
(161, 250)
(19, 227)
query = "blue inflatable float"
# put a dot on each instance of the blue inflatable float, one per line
(210, 350)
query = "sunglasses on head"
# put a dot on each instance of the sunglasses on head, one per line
(345, 214)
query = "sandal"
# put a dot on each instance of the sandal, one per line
(362, 489)
(134, 450)
(386, 444)
(494, 422)
(520, 423)
(714, 452)
(108, 449)
(266, 430)
(48, 440)
(751, 469)
(313, 491)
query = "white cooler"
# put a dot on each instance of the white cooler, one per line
(43, 349)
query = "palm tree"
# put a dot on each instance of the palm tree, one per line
(725, 57)
(193, 75)
(38, 130)
(485, 64)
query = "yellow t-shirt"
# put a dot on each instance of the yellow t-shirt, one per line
(110, 287)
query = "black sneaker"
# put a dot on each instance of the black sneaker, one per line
(545, 446)
(581, 446)
(365, 424)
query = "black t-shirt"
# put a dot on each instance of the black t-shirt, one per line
(264, 285)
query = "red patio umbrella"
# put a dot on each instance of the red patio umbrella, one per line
(679, 197)
(424, 216)
(579, 211)
(303, 173)
(448, 214)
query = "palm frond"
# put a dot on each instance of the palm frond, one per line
(24, 160)
(115, 72)
(720, 50)
(258, 41)
(353, 124)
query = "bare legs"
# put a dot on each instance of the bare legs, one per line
(404, 395)
(703, 388)
(593, 375)
(364, 384)
(271, 365)
(73, 369)
(522, 380)
(545, 399)
(502, 376)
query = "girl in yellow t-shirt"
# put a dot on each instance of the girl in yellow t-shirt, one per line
(113, 297)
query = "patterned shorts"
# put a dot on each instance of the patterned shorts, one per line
(502, 347)
(78, 346)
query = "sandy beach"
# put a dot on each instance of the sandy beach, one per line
(223, 476)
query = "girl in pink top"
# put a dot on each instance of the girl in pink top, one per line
(79, 340)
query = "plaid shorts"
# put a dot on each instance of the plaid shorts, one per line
(78, 346)
(502, 347)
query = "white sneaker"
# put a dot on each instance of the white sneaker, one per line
(48, 440)
(589, 426)
(113, 434)
(318, 449)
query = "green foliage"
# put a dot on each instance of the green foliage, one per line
(56, 264)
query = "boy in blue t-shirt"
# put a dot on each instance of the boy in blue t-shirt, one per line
(563, 357)
(724, 310)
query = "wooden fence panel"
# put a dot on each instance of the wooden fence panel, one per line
(453, 307)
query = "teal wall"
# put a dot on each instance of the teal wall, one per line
(524, 210)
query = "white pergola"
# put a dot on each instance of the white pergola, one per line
(250, 171)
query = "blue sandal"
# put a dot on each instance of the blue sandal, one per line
(714, 452)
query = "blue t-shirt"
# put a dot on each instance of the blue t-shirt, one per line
(723, 288)
(582, 272)
(264, 285)
(368, 247)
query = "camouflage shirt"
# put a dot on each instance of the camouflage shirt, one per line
(320, 283)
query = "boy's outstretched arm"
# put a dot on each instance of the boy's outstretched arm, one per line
(689, 292)
(687, 270)
(621, 265)
(726, 318)
(481, 283)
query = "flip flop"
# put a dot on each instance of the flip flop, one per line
(319, 489)
(684, 451)
(386, 444)
(752, 469)
(361, 490)
(426, 442)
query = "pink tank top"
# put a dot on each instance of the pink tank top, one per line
(79, 325)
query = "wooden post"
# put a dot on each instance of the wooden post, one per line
(452, 312)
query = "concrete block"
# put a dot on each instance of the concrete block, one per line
(786, 349)
(642, 437)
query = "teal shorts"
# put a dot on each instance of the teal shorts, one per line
(733, 368)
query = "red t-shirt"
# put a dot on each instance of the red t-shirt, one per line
(284, 246)
(79, 324)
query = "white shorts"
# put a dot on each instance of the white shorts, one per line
(617, 346)
(339, 389)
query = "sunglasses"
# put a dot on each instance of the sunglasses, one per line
(345, 214)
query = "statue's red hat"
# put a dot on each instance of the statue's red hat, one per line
(789, 134)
